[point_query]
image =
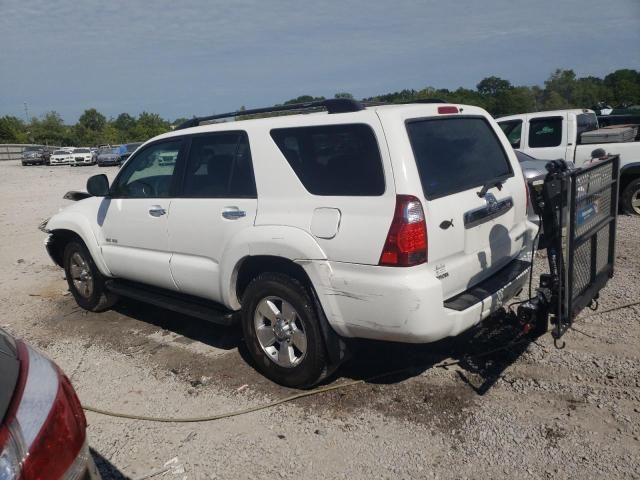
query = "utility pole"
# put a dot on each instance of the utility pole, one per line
(26, 112)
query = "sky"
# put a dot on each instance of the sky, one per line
(181, 58)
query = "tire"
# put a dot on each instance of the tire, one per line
(301, 364)
(631, 198)
(79, 267)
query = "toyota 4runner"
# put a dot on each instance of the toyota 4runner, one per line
(403, 223)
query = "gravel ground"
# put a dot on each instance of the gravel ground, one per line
(448, 411)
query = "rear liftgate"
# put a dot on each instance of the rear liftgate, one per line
(578, 209)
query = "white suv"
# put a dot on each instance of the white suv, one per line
(398, 222)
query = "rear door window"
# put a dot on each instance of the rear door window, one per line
(545, 132)
(219, 166)
(456, 154)
(334, 160)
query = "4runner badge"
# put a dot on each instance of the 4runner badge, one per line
(441, 271)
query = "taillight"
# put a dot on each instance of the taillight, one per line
(45, 424)
(406, 243)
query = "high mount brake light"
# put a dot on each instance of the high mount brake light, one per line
(406, 243)
(448, 109)
(44, 433)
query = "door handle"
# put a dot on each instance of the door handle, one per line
(156, 211)
(233, 213)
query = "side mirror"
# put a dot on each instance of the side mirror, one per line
(98, 185)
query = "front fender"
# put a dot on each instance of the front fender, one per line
(278, 241)
(77, 219)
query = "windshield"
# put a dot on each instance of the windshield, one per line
(456, 154)
(82, 150)
(60, 152)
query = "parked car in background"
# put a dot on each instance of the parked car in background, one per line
(127, 149)
(82, 156)
(62, 157)
(43, 430)
(267, 218)
(32, 156)
(35, 155)
(574, 135)
(534, 168)
(108, 157)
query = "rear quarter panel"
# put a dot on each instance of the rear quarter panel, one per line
(283, 200)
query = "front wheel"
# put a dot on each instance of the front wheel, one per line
(85, 281)
(282, 332)
(631, 198)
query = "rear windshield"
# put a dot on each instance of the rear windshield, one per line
(586, 123)
(456, 154)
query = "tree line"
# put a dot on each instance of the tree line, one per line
(563, 89)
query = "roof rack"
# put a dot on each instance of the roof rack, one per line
(373, 103)
(331, 105)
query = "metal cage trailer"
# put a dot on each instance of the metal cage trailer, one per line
(578, 209)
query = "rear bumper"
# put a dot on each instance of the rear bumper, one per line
(407, 304)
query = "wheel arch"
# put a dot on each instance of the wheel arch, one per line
(629, 173)
(62, 229)
(252, 266)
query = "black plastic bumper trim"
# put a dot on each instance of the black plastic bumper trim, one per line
(488, 287)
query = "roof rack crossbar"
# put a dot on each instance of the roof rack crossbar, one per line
(332, 105)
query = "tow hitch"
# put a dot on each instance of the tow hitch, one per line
(578, 210)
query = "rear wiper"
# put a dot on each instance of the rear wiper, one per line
(487, 186)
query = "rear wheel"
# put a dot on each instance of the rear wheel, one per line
(282, 332)
(631, 198)
(85, 281)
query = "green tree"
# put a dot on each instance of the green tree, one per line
(112, 136)
(303, 99)
(589, 91)
(343, 95)
(514, 100)
(149, 125)
(554, 101)
(91, 119)
(51, 130)
(90, 127)
(624, 86)
(561, 85)
(124, 123)
(493, 86)
(465, 96)
(13, 130)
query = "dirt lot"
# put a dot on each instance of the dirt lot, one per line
(529, 411)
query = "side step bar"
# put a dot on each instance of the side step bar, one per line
(185, 304)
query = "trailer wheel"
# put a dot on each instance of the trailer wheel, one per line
(631, 198)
